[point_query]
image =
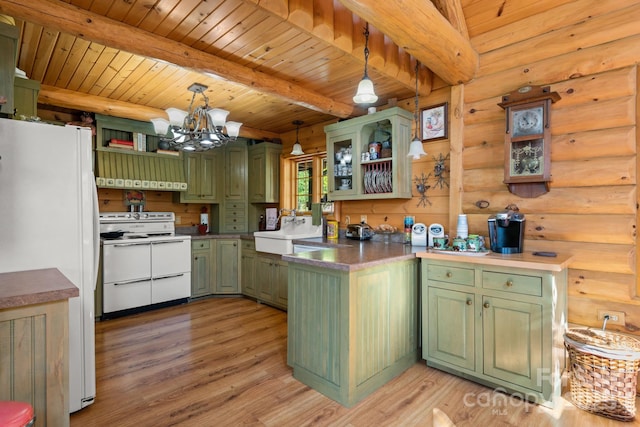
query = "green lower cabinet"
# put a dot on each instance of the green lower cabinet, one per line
(499, 326)
(228, 263)
(215, 267)
(350, 332)
(451, 327)
(249, 257)
(271, 280)
(203, 263)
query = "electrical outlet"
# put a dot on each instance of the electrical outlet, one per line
(615, 317)
(363, 218)
(347, 219)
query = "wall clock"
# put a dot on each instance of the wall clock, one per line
(527, 167)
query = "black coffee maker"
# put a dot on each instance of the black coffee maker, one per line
(506, 232)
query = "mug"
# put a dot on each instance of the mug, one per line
(346, 182)
(459, 244)
(440, 242)
(474, 243)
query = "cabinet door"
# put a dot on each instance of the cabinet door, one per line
(512, 332)
(201, 175)
(227, 273)
(264, 282)
(202, 265)
(451, 327)
(248, 272)
(235, 172)
(257, 172)
(343, 174)
(281, 283)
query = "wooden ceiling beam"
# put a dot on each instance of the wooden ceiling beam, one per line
(67, 18)
(452, 10)
(51, 95)
(419, 28)
(336, 25)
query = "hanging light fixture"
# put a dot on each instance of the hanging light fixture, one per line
(415, 149)
(199, 129)
(297, 148)
(365, 93)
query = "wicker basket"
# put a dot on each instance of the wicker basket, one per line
(604, 370)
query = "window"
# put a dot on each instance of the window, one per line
(308, 182)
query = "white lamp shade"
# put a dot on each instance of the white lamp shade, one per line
(218, 116)
(176, 116)
(416, 150)
(160, 126)
(365, 93)
(233, 129)
(297, 149)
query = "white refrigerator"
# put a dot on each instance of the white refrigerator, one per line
(49, 218)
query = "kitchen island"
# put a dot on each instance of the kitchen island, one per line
(353, 317)
(34, 337)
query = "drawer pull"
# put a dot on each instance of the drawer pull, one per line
(449, 274)
(485, 305)
(469, 302)
(509, 283)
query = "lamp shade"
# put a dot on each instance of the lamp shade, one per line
(176, 116)
(365, 93)
(233, 129)
(218, 117)
(160, 126)
(416, 150)
(297, 149)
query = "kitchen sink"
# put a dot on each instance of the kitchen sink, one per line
(281, 241)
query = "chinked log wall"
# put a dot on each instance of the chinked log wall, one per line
(590, 210)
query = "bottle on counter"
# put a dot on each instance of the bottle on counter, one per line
(262, 225)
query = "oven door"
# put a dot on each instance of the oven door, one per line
(126, 275)
(171, 270)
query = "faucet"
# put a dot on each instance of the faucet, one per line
(290, 218)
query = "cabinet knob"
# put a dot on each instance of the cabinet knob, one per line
(485, 305)
(195, 258)
(469, 302)
(449, 274)
(509, 283)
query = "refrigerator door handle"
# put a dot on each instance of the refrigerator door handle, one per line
(96, 232)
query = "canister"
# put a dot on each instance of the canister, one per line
(332, 229)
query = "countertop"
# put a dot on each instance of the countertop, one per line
(21, 288)
(352, 255)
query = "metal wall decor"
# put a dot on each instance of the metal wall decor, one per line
(422, 187)
(439, 171)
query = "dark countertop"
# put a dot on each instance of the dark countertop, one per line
(352, 255)
(21, 288)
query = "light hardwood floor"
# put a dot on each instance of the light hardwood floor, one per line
(222, 362)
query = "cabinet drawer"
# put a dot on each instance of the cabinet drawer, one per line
(445, 273)
(517, 283)
(199, 244)
(248, 245)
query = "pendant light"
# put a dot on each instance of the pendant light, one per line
(416, 150)
(297, 148)
(365, 93)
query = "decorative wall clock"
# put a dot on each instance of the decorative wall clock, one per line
(527, 150)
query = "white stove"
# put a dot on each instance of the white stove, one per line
(137, 225)
(144, 263)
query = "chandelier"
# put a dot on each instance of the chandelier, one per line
(199, 129)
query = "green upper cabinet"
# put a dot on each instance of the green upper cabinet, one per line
(9, 35)
(235, 171)
(25, 93)
(264, 173)
(386, 172)
(201, 170)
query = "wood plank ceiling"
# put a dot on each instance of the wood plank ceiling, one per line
(267, 61)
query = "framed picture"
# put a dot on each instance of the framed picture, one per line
(434, 122)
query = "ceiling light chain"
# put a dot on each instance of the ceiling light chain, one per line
(198, 129)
